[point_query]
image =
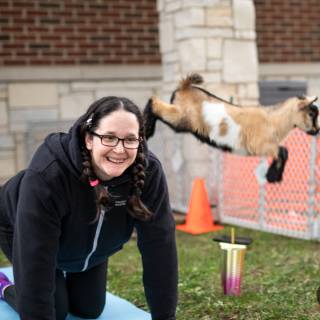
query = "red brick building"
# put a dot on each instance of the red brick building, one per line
(126, 32)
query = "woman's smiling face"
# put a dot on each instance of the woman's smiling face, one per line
(110, 162)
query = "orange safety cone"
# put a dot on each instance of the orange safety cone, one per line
(199, 218)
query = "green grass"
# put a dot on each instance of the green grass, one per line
(280, 278)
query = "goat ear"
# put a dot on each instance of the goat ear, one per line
(307, 101)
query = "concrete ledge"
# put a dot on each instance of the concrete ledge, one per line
(54, 73)
(289, 69)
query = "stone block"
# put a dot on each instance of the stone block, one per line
(170, 70)
(3, 91)
(242, 91)
(168, 88)
(160, 5)
(200, 3)
(253, 91)
(189, 17)
(7, 164)
(219, 32)
(246, 35)
(313, 86)
(240, 61)
(203, 32)
(173, 6)
(91, 87)
(191, 32)
(214, 48)
(244, 14)
(3, 113)
(211, 77)
(73, 105)
(192, 54)
(63, 88)
(166, 32)
(219, 17)
(7, 141)
(32, 95)
(170, 57)
(247, 102)
(19, 118)
(214, 65)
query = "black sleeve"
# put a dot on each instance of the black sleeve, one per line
(35, 247)
(156, 242)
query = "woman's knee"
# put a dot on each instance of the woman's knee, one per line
(88, 312)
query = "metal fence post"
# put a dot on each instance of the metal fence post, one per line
(313, 228)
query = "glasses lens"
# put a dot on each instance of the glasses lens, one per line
(110, 141)
(131, 143)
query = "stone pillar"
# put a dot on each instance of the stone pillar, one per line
(217, 39)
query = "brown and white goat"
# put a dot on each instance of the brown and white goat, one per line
(255, 131)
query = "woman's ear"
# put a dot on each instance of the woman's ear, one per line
(88, 141)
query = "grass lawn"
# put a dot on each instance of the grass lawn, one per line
(280, 278)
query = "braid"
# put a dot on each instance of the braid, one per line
(136, 208)
(102, 195)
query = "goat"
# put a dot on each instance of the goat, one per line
(244, 130)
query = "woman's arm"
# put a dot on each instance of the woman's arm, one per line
(35, 247)
(156, 241)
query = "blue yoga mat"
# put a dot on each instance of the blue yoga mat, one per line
(116, 308)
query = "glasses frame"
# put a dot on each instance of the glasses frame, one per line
(101, 136)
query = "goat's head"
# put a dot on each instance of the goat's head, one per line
(307, 117)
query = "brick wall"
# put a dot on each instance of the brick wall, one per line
(288, 30)
(73, 32)
(42, 32)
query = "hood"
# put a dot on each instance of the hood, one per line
(66, 148)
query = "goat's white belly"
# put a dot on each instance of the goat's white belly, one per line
(214, 115)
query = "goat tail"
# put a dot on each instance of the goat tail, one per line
(192, 78)
(149, 119)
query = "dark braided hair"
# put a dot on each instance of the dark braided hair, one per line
(135, 206)
(90, 121)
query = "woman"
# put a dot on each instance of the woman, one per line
(77, 204)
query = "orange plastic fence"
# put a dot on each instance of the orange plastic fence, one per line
(290, 207)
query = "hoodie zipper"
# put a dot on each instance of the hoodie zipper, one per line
(95, 241)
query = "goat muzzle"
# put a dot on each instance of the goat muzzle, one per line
(313, 132)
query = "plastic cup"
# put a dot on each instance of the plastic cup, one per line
(232, 267)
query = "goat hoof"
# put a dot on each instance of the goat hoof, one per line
(273, 172)
(272, 177)
(149, 120)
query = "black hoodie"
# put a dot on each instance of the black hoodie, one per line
(49, 210)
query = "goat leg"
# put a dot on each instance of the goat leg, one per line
(276, 169)
(149, 120)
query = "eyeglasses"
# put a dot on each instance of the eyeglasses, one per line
(110, 140)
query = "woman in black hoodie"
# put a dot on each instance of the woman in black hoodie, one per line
(75, 205)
